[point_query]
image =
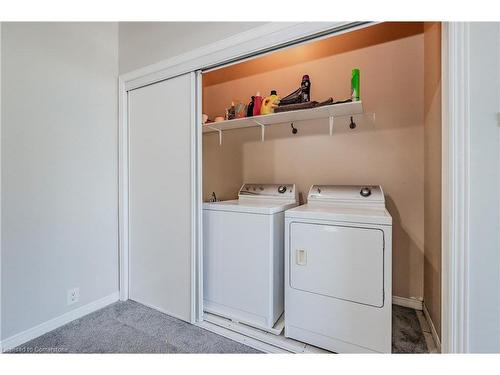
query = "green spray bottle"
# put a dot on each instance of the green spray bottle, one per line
(355, 85)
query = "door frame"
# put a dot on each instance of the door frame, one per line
(269, 37)
(455, 187)
(1, 25)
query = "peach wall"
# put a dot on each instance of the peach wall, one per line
(432, 171)
(389, 152)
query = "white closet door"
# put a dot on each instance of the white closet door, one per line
(160, 190)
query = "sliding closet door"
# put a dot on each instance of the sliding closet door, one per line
(160, 191)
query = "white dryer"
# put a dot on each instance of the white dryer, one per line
(243, 254)
(338, 258)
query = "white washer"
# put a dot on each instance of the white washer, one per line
(338, 256)
(243, 254)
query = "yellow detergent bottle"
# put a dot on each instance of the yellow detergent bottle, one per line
(269, 103)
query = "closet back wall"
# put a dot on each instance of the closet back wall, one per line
(389, 152)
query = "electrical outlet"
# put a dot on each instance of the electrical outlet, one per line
(73, 296)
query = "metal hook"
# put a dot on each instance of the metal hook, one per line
(294, 129)
(352, 125)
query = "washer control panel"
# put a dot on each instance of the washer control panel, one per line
(268, 190)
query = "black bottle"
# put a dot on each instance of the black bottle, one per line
(250, 107)
(305, 86)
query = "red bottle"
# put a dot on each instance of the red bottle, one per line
(257, 103)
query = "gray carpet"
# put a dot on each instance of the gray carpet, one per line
(407, 335)
(129, 327)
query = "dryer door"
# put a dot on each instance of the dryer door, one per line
(338, 261)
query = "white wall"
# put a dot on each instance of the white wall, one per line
(484, 267)
(59, 168)
(145, 43)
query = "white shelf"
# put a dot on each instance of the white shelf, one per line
(327, 111)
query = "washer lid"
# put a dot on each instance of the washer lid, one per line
(254, 206)
(350, 214)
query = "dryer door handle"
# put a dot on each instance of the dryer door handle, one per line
(301, 257)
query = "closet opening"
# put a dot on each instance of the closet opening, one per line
(321, 170)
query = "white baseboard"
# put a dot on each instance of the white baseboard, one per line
(435, 335)
(413, 303)
(30, 334)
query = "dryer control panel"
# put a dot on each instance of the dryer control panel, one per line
(274, 191)
(350, 194)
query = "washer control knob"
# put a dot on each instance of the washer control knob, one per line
(365, 192)
(281, 189)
